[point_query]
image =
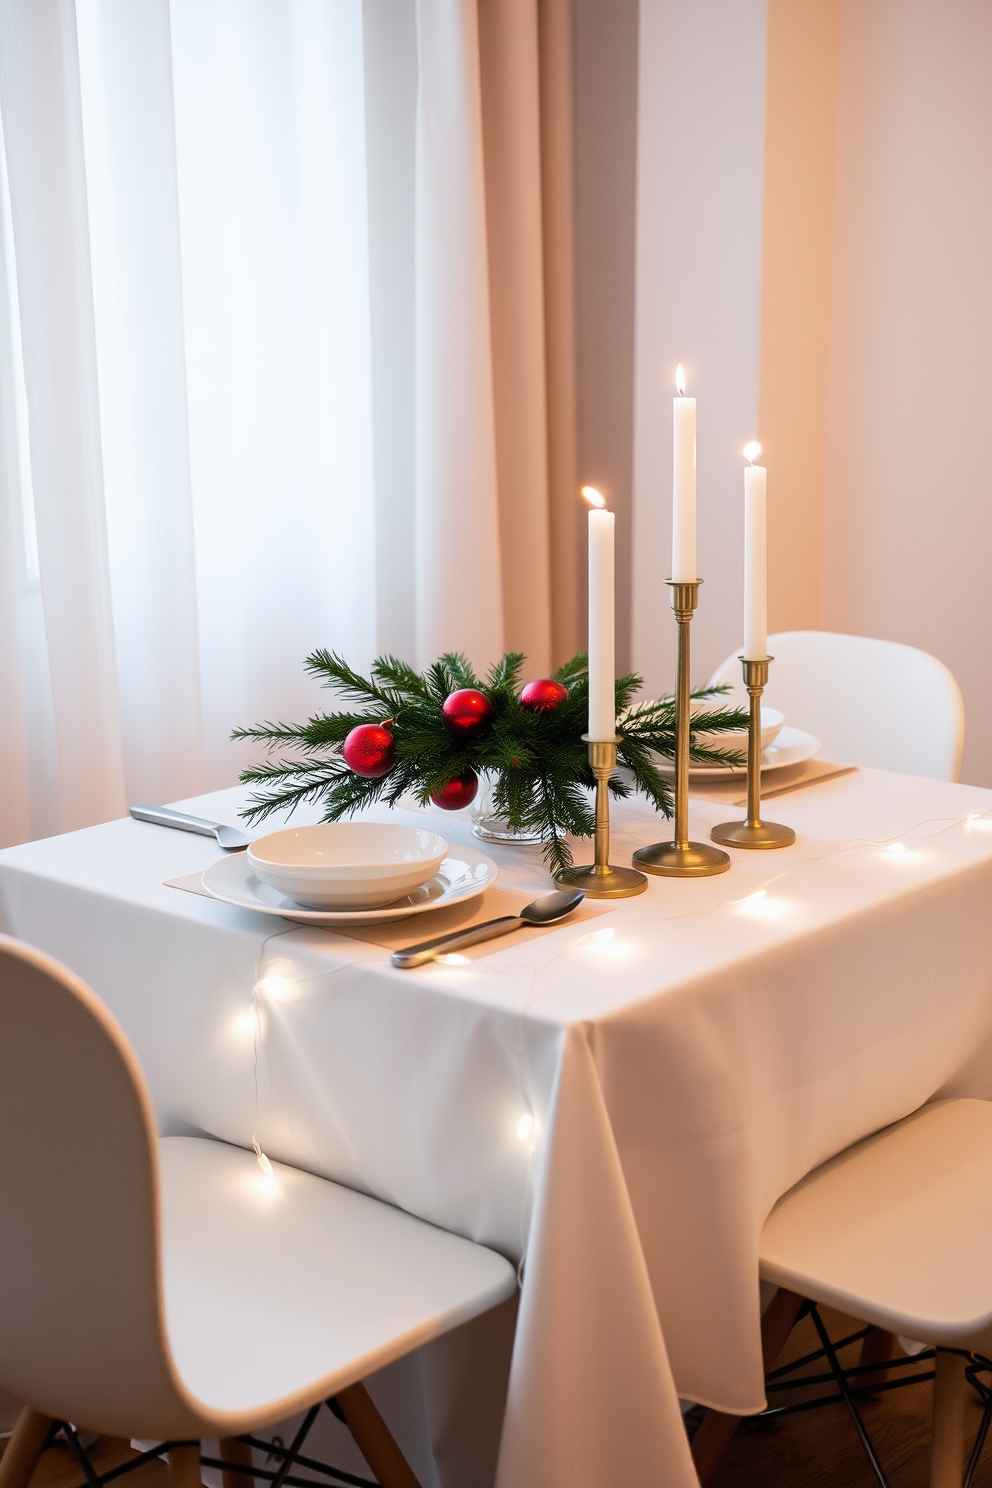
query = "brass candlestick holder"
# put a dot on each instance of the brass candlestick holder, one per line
(754, 832)
(681, 858)
(601, 880)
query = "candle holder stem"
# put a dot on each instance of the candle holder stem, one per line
(754, 832)
(600, 879)
(681, 858)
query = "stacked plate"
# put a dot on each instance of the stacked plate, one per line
(347, 873)
(781, 745)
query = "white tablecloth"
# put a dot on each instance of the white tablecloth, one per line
(682, 1059)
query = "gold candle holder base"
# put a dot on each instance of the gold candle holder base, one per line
(681, 858)
(604, 882)
(601, 880)
(753, 832)
(757, 834)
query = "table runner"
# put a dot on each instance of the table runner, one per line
(674, 1067)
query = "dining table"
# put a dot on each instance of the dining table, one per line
(615, 1102)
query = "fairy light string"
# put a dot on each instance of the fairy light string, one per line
(528, 1128)
(541, 973)
(256, 1038)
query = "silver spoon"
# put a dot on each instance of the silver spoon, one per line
(544, 911)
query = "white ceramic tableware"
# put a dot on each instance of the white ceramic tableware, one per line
(771, 725)
(347, 865)
(464, 873)
(792, 747)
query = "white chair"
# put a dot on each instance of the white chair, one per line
(896, 1231)
(166, 1288)
(873, 703)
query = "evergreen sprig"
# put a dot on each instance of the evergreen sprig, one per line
(537, 761)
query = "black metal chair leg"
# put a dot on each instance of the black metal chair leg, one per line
(976, 1451)
(845, 1390)
(298, 1440)
(81, 1454)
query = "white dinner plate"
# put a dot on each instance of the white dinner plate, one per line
(464, 873)
(791, 747)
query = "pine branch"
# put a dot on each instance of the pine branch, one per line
(503, 675)
(341, 678)
(538, 761)
(399, 677)
(460, 670)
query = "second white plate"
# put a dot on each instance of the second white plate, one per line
(791, 747)
(464, 873)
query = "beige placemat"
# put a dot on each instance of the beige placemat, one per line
(394, 934)
(773, 782)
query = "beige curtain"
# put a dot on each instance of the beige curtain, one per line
(526, 56)
(496, 365)
(196, 370)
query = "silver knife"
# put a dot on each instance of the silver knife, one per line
(164, 816)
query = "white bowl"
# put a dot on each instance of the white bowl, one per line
(771, 722)
(347, 865)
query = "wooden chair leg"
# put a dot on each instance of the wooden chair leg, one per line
(877, 1348)
(232, 1450)
(716, 1428)
(24, 1448)
(947, 1442)
(184, 1467)
(374, 1439)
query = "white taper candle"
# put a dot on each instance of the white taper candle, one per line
(755, 558)
(683, 483)
(602, 660)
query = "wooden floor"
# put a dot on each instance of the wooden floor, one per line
(821, 1448)
(58, 1467)
(814, 1449)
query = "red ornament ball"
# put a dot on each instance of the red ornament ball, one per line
(543, 696)
(458, 792)
(467, 713)
(370, 750)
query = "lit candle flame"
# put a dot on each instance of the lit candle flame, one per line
(592, 496)
(752, 451)
(680, 380)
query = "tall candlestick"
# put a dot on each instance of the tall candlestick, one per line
(683, 483)
(755, 558)
(602, 661)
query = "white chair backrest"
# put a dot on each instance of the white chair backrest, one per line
(873, 703)
(81, 1314)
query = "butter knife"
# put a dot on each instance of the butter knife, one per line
(163, 816)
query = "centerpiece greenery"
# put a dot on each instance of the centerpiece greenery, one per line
(534, 754)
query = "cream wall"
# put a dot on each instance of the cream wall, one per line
(908, 486)
(796, 269)
(699, 203)
(815, 242)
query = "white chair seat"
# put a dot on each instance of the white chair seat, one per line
(280, 1290)
(897, 1231)
(168, 1288)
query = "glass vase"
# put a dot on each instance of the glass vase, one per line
(487, 822)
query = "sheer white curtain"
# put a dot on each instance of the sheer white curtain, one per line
(245, 376)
